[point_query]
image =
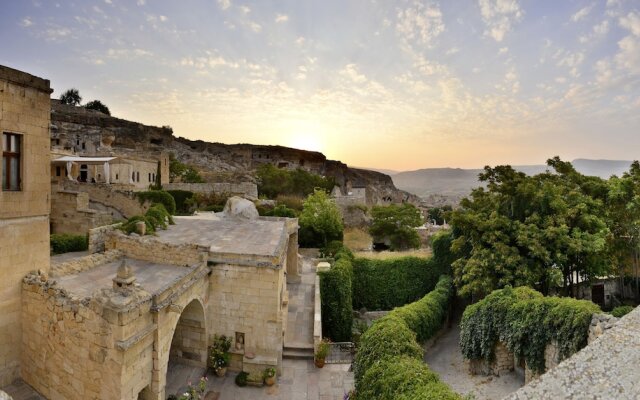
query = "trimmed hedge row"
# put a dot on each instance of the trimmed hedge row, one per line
(155, 217)
(335, 286)
(65, 243)
(389, 363)
(385, 284)
(526, 322)
(180, 197)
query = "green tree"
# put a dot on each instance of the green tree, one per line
(439, 214)
(396, 223)
(320, 220)
(71, 97)
(182, 172)
(523, 230)
(273, 182)
(98, 106)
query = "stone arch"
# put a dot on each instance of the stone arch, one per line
(189, 341)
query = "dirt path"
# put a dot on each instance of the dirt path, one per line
(446, 359)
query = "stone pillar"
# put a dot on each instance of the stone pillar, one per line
(293, 271)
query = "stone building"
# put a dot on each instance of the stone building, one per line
(109, 325)
(24, 201)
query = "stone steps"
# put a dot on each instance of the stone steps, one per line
(299, 352)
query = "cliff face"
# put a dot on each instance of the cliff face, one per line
(91, 133)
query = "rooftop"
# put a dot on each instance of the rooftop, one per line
(238, 240)
(154, 278)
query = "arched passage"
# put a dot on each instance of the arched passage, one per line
(189, 343)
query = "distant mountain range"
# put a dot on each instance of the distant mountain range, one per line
(458, 182)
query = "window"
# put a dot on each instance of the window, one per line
(116, 176)
(149, 176)
(11, 151)
(58, 171)
(138, 176)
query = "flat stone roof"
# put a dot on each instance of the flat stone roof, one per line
(608, 368)
(154, 278)
(228, 239)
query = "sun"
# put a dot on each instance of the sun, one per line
(306, 142)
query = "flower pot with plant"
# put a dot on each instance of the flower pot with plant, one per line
(269, 376)
(219, 356)
(322, 351)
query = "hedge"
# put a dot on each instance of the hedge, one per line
(385, 284)
(155, 217)
(621, 311)
(389, 363)
(335, 287)
(180, 197)
(158, 196)
(65, 243)
(525, 321)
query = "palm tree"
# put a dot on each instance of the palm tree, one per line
(71, 97)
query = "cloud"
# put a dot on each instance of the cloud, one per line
(300, 41)
(141, 2)
(254, 26)
(582, 13)
(629, 55)
(163, 18)
(245, 9)
(503, 50)
(26, 22)
(118, 54)
(280, 18)
(631, 22)
(599, 30)
(351, 71)
(499, 16)
(419, 22)
(224, 4)
(452, 50)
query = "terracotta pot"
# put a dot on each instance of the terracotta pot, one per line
(319, 362)
(221, 371)
(270, 381)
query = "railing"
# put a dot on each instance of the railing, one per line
(341, 353)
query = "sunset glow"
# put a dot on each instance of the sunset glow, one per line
(389, 84)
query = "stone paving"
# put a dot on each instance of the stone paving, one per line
(301, 301)
(228, 235)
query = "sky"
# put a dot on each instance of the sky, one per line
(401, 85)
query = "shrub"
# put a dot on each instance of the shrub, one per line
(158, 196)
(241, 379)
(156, 217)
(181, 198)
(320, 221)
(274, 182)
(280, 211)
(621, 311)
(65, 243)
(526, 322)
(385, 284)
(335, 288)
(292, 202)
(389, 363)
(396, 223)
(208, 201)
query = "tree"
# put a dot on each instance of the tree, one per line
(396, 223)
(439, 214)
(274, 181)
(98, 106)
(182, 172)
(71, 97)
(320, 220)
(525, 230)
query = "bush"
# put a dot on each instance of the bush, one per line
(182, 197)
(292, 202)
(158, 196)
(280, 211)
(396, 223)
(320, 221)
(241, 378)
(526, 322)
(156, 217)
(389, 363)
(621, 311)
(274, 182)
(65, 243)
(385, 284)
(335, 289)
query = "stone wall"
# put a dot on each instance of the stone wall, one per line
(126, 203)
(150, 249)
(244, 189)
(80, 264)
(249, 300)
(70, 213)
(98, 236)
(24, 214)
(600, 323)
(502, 362)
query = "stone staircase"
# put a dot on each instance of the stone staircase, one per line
(298, 352)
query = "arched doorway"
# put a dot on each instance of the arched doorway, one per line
(188, 352)
(189, 343)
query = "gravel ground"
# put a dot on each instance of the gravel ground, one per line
(446, 359)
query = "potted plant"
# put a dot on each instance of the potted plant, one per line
(322, 351)
(269, 376)
(219, 356)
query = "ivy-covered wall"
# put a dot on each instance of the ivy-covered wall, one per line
(525, 321)
(336, 305)
(389, 363)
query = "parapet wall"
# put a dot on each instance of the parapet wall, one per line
(150, 249)
(126, 203)
(245, 189)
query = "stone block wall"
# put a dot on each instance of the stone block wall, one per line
(77, 265)
(503, 362)
(70, 213)
(98, 236)
(24, 214)
(245, 189)
(249, 300)
(150, 249)
(600, 323)
(126, 203)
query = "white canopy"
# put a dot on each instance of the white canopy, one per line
(84, 160)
